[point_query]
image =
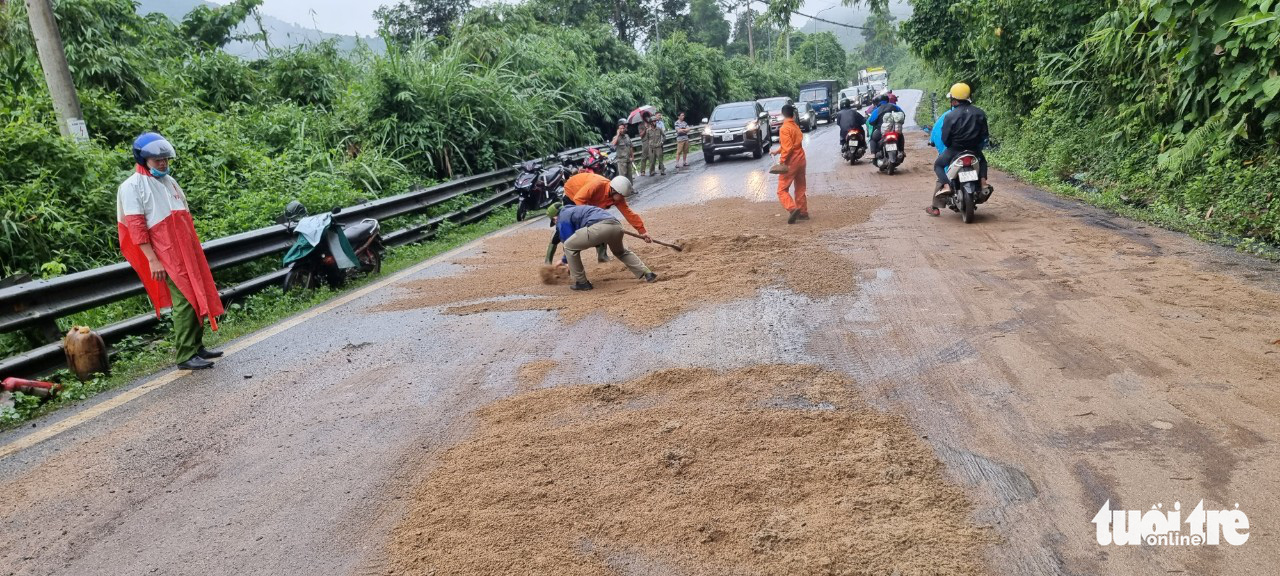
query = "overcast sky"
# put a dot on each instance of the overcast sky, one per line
(335, 16)
(356, 16)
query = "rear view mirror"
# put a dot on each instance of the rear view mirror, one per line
(704, 120)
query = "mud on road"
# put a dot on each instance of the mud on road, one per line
(765, 470)
(1054, 356)
(731, 249)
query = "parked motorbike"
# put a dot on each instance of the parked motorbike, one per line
(323, 249)
(599, 162)
(854, 146)
(966, 189)
(537, 187)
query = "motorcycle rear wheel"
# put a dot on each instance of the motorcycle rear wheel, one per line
(299, 277)
(966, 205)
(371, 261)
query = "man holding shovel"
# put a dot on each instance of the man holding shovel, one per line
(583, 227)
(588, 189)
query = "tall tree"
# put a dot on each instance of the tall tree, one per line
(212, 28)
(821, 52)
(880, 39)
(707, 24)
(410, 20)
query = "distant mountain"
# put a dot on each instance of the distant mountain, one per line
(852, 15)
(280, 34)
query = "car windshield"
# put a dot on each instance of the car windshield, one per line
(813, 94)
(773, 104)
(737, 112)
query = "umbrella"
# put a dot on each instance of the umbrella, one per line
(637, 116)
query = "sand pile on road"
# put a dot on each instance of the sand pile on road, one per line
(769, 470)
(732, 249)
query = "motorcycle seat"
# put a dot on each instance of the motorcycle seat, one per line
(357, 233)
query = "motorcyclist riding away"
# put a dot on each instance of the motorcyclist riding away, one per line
(848, 119)
(883, 106)
(963, 129)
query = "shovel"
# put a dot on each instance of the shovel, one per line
(675, 247)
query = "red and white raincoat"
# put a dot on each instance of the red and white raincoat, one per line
(153, 211)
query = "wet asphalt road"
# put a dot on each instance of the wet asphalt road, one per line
(1042, 351)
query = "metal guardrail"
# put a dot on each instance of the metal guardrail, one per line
(40, 303)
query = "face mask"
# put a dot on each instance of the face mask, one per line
(158, 174)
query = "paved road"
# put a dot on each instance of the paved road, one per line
(1054, 356)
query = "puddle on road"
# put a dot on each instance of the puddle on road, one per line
(765, 470)
(733, 248)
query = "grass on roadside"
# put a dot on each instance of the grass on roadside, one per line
(139, 356)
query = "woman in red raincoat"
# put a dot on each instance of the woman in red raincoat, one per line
(159, 240)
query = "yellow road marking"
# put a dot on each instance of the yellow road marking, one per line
(42, 434)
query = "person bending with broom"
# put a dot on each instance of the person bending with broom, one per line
(584, 227)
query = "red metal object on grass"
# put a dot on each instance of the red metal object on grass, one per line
(33, 387)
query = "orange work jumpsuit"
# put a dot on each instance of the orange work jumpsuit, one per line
(792, 154)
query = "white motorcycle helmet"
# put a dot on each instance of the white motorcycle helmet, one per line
(621, 185)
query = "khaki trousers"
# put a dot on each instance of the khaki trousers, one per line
(605, 232)
(652, 160)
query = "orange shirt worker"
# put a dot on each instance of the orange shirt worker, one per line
(792, 154)
(588, 189)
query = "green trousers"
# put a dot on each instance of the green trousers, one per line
(188, 330)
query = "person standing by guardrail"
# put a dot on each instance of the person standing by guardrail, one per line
(682, 141)
(159, 240)
(653, 139)
(626, 152)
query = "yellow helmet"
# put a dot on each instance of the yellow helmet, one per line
(959, 91)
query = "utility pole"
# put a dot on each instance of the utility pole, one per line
(53, 60)
(751, 45)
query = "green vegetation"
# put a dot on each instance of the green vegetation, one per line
(1164, 110)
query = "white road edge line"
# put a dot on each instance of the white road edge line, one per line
(156, 383)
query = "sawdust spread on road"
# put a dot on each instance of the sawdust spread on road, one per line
(766, 470)
(533, 374)
(732, 248)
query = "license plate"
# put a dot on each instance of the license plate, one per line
(968, 176)
(891, 147)
(726, 138)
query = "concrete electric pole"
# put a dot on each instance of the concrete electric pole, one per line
(53, 60)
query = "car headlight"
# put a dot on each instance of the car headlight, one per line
(752, 125)
(706, 131)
